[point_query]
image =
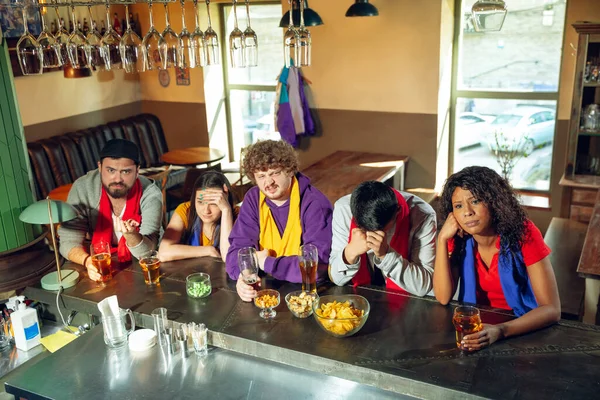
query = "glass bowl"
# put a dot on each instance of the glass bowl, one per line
(267, 300)
(300, 303)
(198, 285)
(342, 327)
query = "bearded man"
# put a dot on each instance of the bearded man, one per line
(115, 205)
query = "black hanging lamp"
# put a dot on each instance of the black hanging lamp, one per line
(362, 8)
(311, 18)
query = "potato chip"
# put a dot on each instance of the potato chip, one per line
(266, 301)
(343, 317)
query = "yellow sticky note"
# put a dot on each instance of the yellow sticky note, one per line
(57, 340)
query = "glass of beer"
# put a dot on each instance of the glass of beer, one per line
(466, 320)
(150, 265)
(309, 260)
(100, 253)
(248, 263)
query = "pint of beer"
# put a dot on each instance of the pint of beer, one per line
(308, 261)
(100, 253)
(466, 320)
(150, 265)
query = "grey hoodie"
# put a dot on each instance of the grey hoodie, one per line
(85, 196)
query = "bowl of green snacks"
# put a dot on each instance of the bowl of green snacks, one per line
(198, 285)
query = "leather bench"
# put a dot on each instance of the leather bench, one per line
(62, 159)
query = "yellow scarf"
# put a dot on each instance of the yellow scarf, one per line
(270, 238)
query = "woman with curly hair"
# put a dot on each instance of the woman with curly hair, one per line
(283, 212)
(494, 254)
(201, 227)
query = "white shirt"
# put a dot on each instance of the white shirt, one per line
(117, 234)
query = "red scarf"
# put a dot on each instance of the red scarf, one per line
(399, 243)
(104, 223)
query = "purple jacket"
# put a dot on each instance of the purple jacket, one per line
(315, 214)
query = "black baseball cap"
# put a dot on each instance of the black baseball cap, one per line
(121, 148)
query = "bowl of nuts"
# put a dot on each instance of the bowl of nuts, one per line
(267, 300)
(300, 303)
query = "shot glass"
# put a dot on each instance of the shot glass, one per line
(200, 339)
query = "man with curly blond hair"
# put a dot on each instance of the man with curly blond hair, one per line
(281, 213)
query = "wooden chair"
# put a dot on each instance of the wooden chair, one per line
(161, 179)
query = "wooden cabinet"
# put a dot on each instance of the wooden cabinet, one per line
(582, 171)
(583, 153)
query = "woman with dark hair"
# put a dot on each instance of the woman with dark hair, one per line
(201, 230)
(494, 254)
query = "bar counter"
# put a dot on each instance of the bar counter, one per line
(407, 345)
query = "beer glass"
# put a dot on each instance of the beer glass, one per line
(236, 42)
(153, 52)
(250, 42)
(94, 40)
(169, 43)
(305, 42)
(150, 265)
(308, 259)
(50, 48)
(211, 40)
(110, 45)
(291, 42)
(115, 333)
(4, 334)
(161, 323)
(78, 46)
(197, 42)
(132, 55)
(100, 252)
(466, 320)
(248, 263)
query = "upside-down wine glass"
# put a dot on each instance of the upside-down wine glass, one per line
(250, 42)
(236, 42)
(110, 45)
(131, 48)
(154, 53)
(94, 40)
(305, 42)
(198, 43)
(50, 48)
(186, 56)
(291, 42)
(212, 40)
(62, 38)
(77, 46)
(29, 51)
(169, 42)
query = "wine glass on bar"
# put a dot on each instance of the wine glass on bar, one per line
(62, 38)
(212, 41)
(131, 48)
(250, 42)
(236, 42)
(77, 46)
(304, 43)
(50, 48)
(169, 43)
(110, 45)
(291, 41)
(29, 51)
(198, 42)
(186, 56)
(154, 53)
(94, 40)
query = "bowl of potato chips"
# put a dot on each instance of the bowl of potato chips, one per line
(341, 315)
(267, 300)
(300, 303)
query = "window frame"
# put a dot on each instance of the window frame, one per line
(229, 87)
(456, 93)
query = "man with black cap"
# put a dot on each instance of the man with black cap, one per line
(116, 205)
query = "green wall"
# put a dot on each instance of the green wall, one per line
(15, 189)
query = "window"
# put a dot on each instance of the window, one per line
(505, 90)
(250, 92)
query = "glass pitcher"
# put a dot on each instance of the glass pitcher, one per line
(115, 333)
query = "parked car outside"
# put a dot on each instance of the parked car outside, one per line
(469, 129)
(527, 127)
(265, 129)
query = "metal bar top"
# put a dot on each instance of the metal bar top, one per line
(406, 346)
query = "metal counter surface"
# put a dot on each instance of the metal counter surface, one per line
(87, 368)
(406, 346)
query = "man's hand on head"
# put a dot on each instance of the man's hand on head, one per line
(356, 247)
(377, 241)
